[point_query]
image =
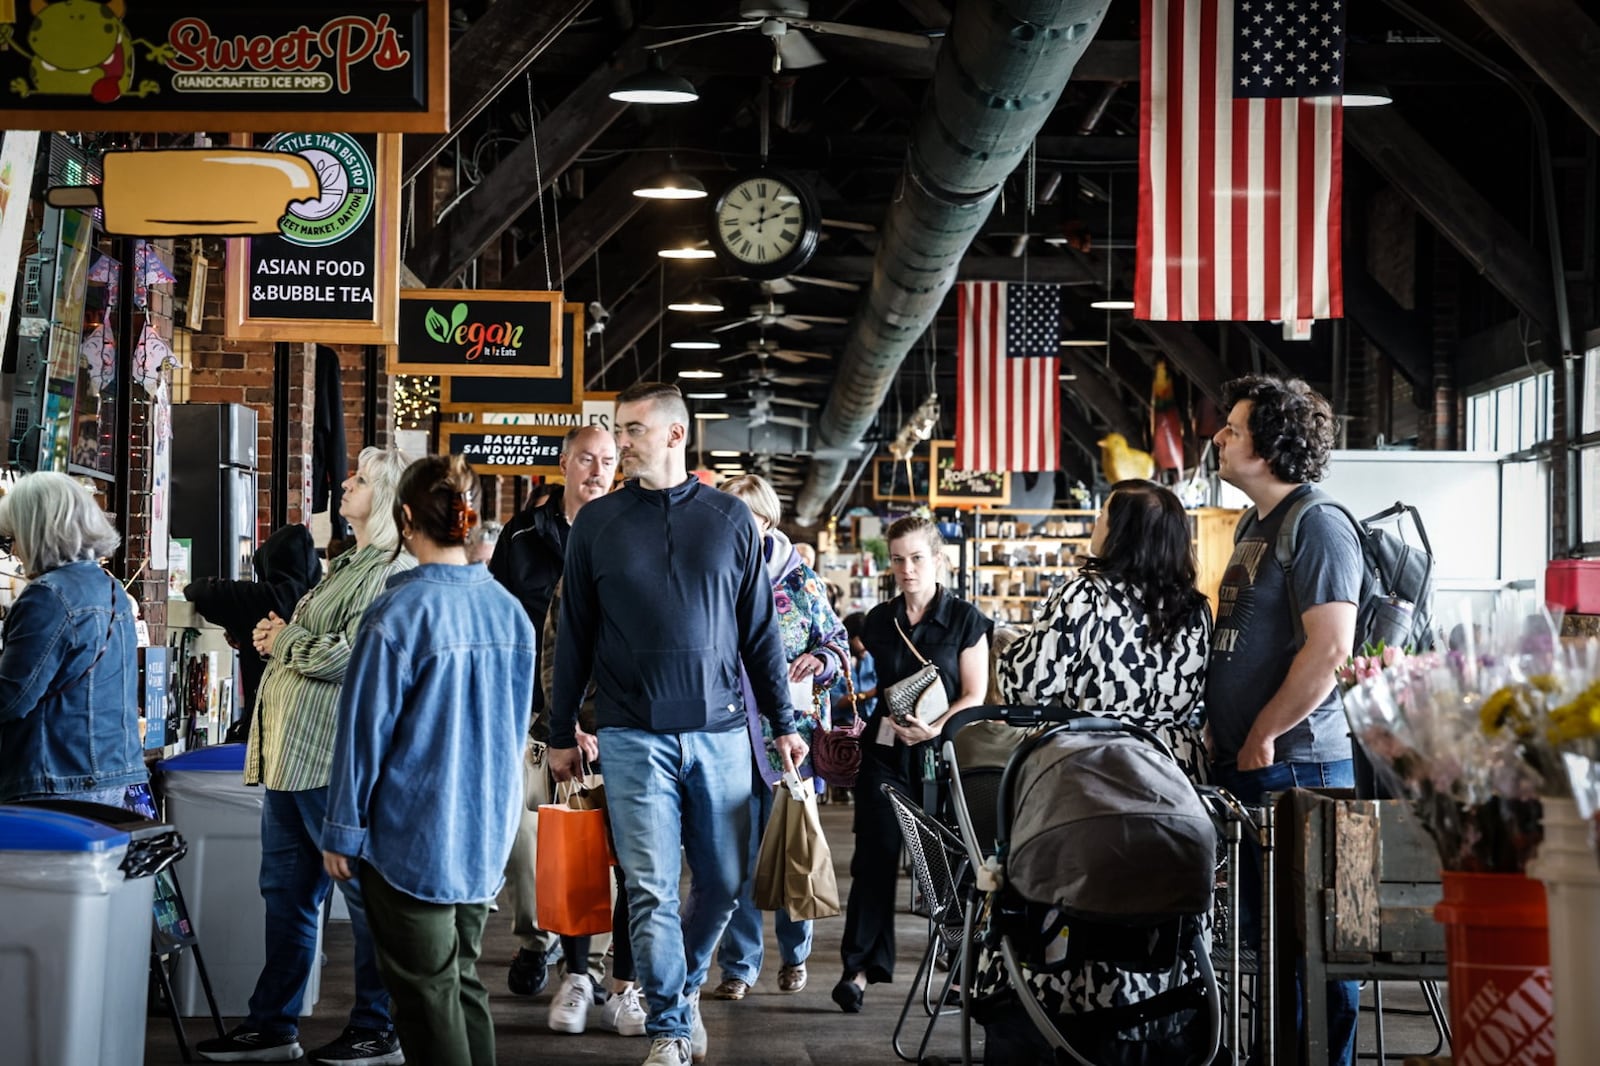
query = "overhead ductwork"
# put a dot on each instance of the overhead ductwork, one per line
(999, 74)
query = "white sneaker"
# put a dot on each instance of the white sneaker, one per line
(668, 1051)
(624, 1012)
(569, 1007)
(697, 1029)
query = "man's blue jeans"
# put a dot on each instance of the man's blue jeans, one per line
(294, 886)
(666, 791)
(1249, 786)
(743, 947)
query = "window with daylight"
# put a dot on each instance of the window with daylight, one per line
(1514, 417)
(1589, 455)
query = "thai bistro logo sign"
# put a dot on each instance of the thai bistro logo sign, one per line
(85, 56)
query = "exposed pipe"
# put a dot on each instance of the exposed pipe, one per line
(999, 74)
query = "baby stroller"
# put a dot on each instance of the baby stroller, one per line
(1093, 862)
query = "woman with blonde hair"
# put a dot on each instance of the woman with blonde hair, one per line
(69, 706)
(427, 775)
(815, 646)
(290, 752)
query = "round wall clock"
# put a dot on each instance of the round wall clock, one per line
(766, 225)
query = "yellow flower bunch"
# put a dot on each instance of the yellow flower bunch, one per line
(1515, 708)
(1577, 719)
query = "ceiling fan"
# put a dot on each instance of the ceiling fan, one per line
(761, 403)
(781, 22)
(783, 286)
(772, 313)
(765, 347)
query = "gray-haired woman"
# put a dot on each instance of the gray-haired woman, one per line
(69, 707)
(291, 753)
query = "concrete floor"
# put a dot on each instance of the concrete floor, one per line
(767, 1027)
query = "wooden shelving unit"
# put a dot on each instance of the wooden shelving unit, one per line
(1014, 558)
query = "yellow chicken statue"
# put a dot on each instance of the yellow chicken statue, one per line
(1122, 463)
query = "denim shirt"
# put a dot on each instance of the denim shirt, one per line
(426, 781)
(61, 730)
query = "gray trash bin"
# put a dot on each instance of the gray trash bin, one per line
(220, 818)
(152, 846)
(66, 904)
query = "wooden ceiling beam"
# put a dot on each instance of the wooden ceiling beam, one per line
(497, 48)
(638, 315)
(1400, 334)
(1558, 40)
(512, 186)
(1100, 395)
(1458, 211)
(1189, 354)
(607, 208)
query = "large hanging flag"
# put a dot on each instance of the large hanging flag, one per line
(1008, 371)
(1240, 134)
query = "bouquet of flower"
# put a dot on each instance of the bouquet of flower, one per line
(1574, 729)
(1465, 734)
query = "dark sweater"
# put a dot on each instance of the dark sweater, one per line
(527, 561)
(665, 592)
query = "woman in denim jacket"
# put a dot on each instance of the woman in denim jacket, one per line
(69, 707)
(426, 789)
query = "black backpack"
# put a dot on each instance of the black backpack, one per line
(1396, 605)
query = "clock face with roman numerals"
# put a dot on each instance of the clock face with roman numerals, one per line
(766, 225)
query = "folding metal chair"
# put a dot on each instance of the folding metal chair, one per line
(938, 864)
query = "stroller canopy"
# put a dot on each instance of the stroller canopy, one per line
(1105, 825)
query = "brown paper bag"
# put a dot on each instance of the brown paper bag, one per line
(794, 869)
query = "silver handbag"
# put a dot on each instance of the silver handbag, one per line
(921, 695)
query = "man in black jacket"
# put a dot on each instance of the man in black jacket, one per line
(665, 594)
(527, 561)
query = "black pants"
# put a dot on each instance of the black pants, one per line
(575, 949)
(868, 944)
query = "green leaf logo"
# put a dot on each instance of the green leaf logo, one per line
(436, 326)
(458, 315)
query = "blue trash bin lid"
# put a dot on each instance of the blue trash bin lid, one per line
(34, 829)
(213, 759)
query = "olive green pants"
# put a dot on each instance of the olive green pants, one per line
(428, 956)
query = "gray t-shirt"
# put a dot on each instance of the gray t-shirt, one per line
(1254, 639)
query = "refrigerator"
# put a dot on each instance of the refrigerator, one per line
(214, 487)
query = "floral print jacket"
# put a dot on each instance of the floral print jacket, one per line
(807, 623)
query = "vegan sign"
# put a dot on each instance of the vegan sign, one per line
(461, 332)
(327, 273)
(161, 64)
(527, 395)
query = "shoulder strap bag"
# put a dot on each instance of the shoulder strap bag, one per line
(921, 695)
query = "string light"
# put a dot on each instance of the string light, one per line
(416, 401)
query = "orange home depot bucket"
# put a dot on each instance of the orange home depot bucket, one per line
(1501, 1005)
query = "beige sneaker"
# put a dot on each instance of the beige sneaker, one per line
(668, 1051)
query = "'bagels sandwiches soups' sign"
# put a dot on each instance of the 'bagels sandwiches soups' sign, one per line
(471, 333)
(256, 67)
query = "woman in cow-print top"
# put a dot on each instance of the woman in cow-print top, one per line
(1125, 639)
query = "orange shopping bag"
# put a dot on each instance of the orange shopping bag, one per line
(574, 870)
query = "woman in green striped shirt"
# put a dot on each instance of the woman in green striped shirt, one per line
(291, 750)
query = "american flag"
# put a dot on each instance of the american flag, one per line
(1241, 135)
(1008, 370)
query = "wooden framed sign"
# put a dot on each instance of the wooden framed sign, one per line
(531, 450)
(175, 66)
(891, 482)
(964, 488)
(558, 395)
(331, 272)
(478, 333)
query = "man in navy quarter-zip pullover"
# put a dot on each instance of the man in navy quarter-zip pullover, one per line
(665, 593)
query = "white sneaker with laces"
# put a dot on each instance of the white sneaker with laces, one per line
(569, 1007)
(624, 1012)
(668, 1051)
(697, 1029)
